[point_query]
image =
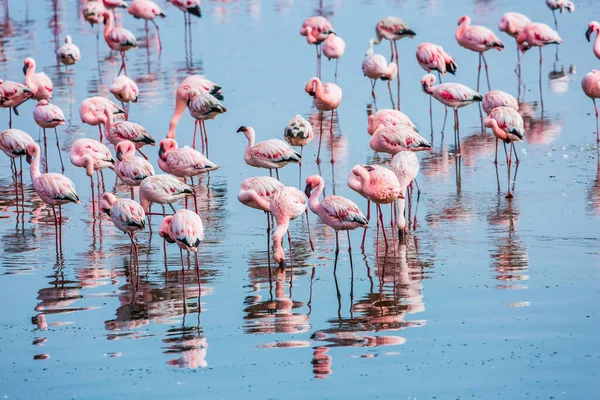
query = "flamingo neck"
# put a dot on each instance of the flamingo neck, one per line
(252, 196)
(35, 166)
(319, 92)
(461, 28)
(282, 227)
(108, 120)
(250, 135)
(180, 105)
(313, 202)
(109, 25)
(401, 220)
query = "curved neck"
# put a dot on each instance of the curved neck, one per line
(250, 136)
(109, 25)
(363, 175)
(318, 88)
(108, 119)
(180, 105)
(35, 166)
(464, 25)
(401, 220)
(251, 195)
(313, 202)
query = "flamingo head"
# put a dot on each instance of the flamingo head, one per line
(312, 182)
(42, 103)
(28, 63)
(464, 19)
(248, 131)
(310, 86)
(427, 81)
(570, 6)
(124, 147)
(106, 202)
(165, 146)
(31, 151)
(107, 16)
(592, 27)
(489, 122)
(165, 229)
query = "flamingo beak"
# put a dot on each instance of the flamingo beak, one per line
(106, 211)
(161, 153)
(28, 158)
(242, 129)
(425, 87)
(401, 196)
(119, 155)
(588, 33)
(307, 189)
(25, 67)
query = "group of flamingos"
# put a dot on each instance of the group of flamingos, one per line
(392, 132)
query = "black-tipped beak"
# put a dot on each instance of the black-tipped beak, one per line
(425, 87)
(104, 21)
(25, 67)
(401, 196)
(161, 153)
(588, 34)
(28, 158)
(119, 155)
(307, 190)
(242, 129)
(162, 15)
(195, 11)
(106, 211)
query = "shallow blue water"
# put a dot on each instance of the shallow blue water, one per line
(487, 298)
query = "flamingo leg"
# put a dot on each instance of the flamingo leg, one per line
(101, 135)
(55, 228)
(172, 208)
(597, 130)
(60, 227)
(331, 135)
(157, 34)
(541, 93)
(417, 207)
(142, 154)
(13, 167)
(312, 246)
(62, 166)
(45, 152)
(362, 245)
(22, 185)
(487, 75)
(508, 170)
(478, 72)
(349, 248)
(515, 151)
(373, 82)
(397, 72)
(268, 244)
(203, 126)
(290, 244)
(389, 85)
(199, 283)
(183, 281)
(194, 195)
(382, 226)
(336, 69)
(300, 169)
(270, 172)
(555, 21)
(10, 118)
(457, 129)
(131, 192)
(93, 198)
(337, 244)
(392, 51)
(496, 158)
(320, 137)
(194, 140)
(123, 65)
(277, 174)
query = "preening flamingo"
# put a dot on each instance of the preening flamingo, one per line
(13, 142)
(126, 91)
(203, 106)
(452, 95)
(326, 97)
(392, 139)
(513, 23)
(162, 189)
(406, 167)
(379, 185)
(560, 5)
(131, 169)
(93, 12)
(375, 66)
(478, 39)
(507, 125)
(68, 53)
(117, 131)
(49, 116)
(148, 11)
(12, 95)
(334, 47)
(53, 189)
(338, 212)
(591, 87)
(118, 39)
(91, 112)
(498, 98)
(389, 117)
(271, 153)
(127, 215)
(94, 157)
(288, 203)
(317, 29)
(38, 82)
(393, 29)
(298, 132)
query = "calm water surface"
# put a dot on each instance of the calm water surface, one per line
(487, 298)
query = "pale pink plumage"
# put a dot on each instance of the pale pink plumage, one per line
(375, 183)
(453, 95)
(392, 28)
(111, 4)
(327, 96)
(13, 142)
(591, 87)
(257, 192)
(316, 29)
(124, 89)
(188, 6)
(127, 215)
(513, 23)
(48, 115)
(91, 155)
(334, 46)
(13, 94)
(93, 12)
(145, 9)
(406, 167)
(498, 98)
(117, 131)
(182, 162)
(432, 57)
(184, 228)
(92, 111)
(131, 169)
(162, 189)
(389, 117)
(68, 53)
(118, 39)
(272, 153)
(393, 139)
(38, 82)
(537, 35)
(476, 38)
(375, 66)
(287, 204)
(560, 5)
(594, 26)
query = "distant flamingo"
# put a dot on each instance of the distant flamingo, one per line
(393, 29)
(406, 167)
(513, 23)
(478, 39)
(316, 29)
(187, 89)
(94, 157)
(38, 82)
(298, 132)
(186, 229)
(183, 162)
(327, 97)
(126, 91)
(203, 106)
(334, 47)
(127, 216)
(148, 11)
(452, 95)
(498, 98)
(377, 184)
(162, 189)
(389, 117)
(13, 142)
(68, 53)
(288, 203)
(271, 153)
(93, 12)
(257, 193)
(375, 67)
(12, 95)
(131, 169)
(91, 111)
(188, 7)
(112, 4)
(49, 116)
(338, 212)
(591, 87)
(53, 189)
(594, 26)
(561, 5)
(118, 39)
(507, 125)
(392, 139)
(126, 130)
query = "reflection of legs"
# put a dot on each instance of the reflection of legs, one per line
(597, 131)
(397, 72)
(320, 136)
(290, 244)
(157, 34)
(417, 206)
(199, 283)
(508, 195)
(382, 226)
(362, 245)
(478, 72)
(331, 135)
(62, 166)
(93, 197)
(487, 75)
(183, 281)
(541, 94)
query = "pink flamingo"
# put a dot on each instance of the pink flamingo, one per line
(203, 106)
(183, 162)
(498, 98)
(507, 125)
(452, 95)
(513, 23)
(377, 184)
(49, 116)
(126, 91)
(118, 39)
(375, 67)
(257, 193)
(13, 142)
(288, 203)
(126, 130)
(94, 157)
(127, 215)
(148, 11)
(478, 39)
(270, 154)
(334, 47)
(68, 53)
(327, 97)
(131, 169)
(591, 87)
(188, 6)
(392, 139)
(186, 90)
(38, 82)
(393, 29)
(594, 26)
(53, 189)
(389, 117)
(406, 167)
(338, 212)
(162, 189)
(186, 229)
(560, 5)
(93, 12)
(112, 4)
(92, 113)
(316, 29)
(12, 95)
(298, 132)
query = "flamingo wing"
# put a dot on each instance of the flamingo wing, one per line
(59, 187)
(276, 151)
(343, 209)
(133, 132)
(123, 37)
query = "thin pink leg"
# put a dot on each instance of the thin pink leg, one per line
(93, 198)
(331, 135)
(362, 245)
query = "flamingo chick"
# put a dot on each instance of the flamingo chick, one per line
(288, 203)
(392, 139)
(38, 82)
(131, 169)
(127, 215)
(375, 67)
(49, 116)
(118, 39)
(298, 132)
(68, 53)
